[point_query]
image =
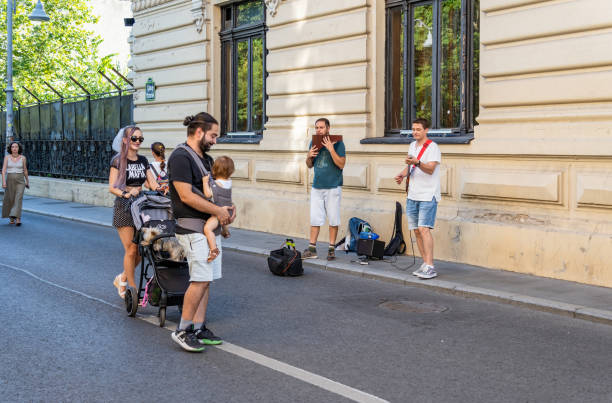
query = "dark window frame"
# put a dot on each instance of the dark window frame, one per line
(465, 131)
(231, 35)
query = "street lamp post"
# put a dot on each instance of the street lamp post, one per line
(38, 15)
(9, 71)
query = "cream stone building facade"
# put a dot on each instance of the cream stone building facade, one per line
(528, 189)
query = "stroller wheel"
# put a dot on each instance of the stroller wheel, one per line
(162, 316)
(131, 301)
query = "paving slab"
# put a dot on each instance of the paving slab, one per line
(556, 296)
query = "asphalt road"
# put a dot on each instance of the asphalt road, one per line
(66, 337)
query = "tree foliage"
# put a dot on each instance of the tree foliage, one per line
(53, 51)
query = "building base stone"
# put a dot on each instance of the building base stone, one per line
(96, 194)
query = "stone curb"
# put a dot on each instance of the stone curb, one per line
(466, 291)
(67, 217)
(406, 278)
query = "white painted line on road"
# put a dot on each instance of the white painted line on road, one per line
(302, 375)
(60, 286)
(279, 366)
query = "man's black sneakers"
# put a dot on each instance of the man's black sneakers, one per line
(206, 336)
(187, 339)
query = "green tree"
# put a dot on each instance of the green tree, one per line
(53, 51)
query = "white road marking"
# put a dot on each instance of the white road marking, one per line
(60, 286)
(279, 366)
(304, 376)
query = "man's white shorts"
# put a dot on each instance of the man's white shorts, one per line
(196, 250)
(325, 202)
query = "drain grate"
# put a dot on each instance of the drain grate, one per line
(413, 306)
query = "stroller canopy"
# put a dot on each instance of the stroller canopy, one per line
(147, 207)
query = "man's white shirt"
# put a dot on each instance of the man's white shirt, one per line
(424, 187)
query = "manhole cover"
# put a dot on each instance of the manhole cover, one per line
(413, 306)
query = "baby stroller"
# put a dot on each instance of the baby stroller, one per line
(166, 284)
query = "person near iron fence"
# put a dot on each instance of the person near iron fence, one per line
(128, 172)
(14, 181)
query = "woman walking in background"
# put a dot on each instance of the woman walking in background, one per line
(128, 172)
(14, 181)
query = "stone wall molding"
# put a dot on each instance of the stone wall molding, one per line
(543, 187)
(355, 176)
(272, 6)
(139, 5)
(243, 169)
(199, 14)
(594, 189)
(279, 171)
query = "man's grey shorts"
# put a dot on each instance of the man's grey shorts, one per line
(196, 250)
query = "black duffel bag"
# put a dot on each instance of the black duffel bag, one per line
(286, 261)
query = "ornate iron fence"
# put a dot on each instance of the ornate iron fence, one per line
(71, 140)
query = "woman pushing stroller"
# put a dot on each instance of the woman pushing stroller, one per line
(128, 172)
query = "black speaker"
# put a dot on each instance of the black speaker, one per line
(371, 248)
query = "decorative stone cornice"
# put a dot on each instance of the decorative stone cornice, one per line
(139, 5)
(199, 13)
(272, 5)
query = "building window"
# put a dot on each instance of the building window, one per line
(243, 67)
(432, 65)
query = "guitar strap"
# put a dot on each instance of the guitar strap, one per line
(412, 167)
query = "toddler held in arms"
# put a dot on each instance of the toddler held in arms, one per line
(219, 191)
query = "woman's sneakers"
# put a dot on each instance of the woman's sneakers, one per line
(187, 339)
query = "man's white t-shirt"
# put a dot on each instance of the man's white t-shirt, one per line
(424, 187)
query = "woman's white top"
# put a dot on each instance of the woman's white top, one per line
(158, 170)
(13, 167)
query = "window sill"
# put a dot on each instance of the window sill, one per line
(437, 138)
(240, 139)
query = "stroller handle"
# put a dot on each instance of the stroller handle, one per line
(154, 193)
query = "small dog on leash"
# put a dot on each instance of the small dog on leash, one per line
(169, 245)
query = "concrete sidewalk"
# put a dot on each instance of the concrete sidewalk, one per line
(556, 296)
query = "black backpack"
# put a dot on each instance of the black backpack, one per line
(286, 261)
(396, 245)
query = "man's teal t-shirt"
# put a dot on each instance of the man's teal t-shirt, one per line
(326, 174)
